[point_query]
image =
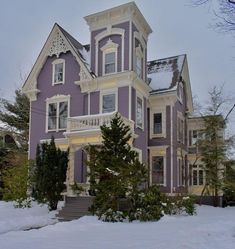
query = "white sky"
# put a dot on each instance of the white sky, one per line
(177, 28)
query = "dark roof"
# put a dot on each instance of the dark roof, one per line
(163, 74)
(80, 49)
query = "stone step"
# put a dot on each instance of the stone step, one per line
(75, 207)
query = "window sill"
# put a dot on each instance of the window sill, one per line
(162, 135)
(58, 83)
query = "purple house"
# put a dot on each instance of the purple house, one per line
(75, 88)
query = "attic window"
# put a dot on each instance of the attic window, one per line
(58, 74)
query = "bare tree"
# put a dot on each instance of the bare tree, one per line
(224, 11)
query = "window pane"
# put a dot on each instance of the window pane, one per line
(139, 112)
(108, 103)
(158, 169)
(157, 123)
(139, 67)
(58, 77)
(194, 177)
(63, 114)
(52, 116)
(110, 62)
(200, 177)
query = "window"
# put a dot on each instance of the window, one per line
(181, 173)
(57, 113)
(110, 53)
(139, 66)
(110, 63)
(180, 130)
(108, 102)
(197, 175)
(139, 112)
(58, 71)
(157, 123)
(158, 169)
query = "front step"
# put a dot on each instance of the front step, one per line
(75, 207)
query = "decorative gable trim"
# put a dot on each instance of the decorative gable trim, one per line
(58, 45)
(55, 44)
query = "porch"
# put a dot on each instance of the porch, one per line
(82, 131)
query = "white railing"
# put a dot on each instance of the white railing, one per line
(93, 122)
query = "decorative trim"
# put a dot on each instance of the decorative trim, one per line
(109, 31)
(58, 45)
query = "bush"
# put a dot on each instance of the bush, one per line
(112, 216)
(15, 183)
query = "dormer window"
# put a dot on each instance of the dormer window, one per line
(58, 71)
(109, 57)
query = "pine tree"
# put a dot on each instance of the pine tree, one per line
(49, 174)
(16, 117)
(115, 169)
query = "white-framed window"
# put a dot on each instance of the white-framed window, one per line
(109, 63)
(158, 170)
(108, 101)
(57, 112)
(58, 72)
(198, 175)
(139, 112)
(138, 61)
(109, 51)
(157, 123)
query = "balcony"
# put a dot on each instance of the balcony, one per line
(93, 122)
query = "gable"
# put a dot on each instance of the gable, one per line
(58, 41)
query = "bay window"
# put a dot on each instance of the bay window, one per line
(139, 112)
(158, 170)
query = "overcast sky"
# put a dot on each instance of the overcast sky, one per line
(177, 28)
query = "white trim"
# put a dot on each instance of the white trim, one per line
(138, 95)
(182, 119)
(57, 99)
(180, 92)
(54, 63)
(153, 111)
(88, 103)
(109, 47)
(107, 92)
(30, 121)
(130, 44)
(130, 105)
(105, 33)
(154, 154)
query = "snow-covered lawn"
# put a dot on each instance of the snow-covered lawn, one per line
(13, 219)
(211, 228)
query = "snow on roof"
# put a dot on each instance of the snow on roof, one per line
(165, 73)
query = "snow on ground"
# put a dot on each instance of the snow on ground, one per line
(13, 219)
(212, 228)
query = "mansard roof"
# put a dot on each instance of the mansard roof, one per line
(163, 74)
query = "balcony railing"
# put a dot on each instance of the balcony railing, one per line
(93, 122)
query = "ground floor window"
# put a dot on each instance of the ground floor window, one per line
(158, 170)
(198, 175)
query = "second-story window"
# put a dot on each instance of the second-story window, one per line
(139, 112)
(139, 66)
(108, 103)
(57, 115)
(110, 62)
(157, 123)
(58, 71)
(180, 130)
